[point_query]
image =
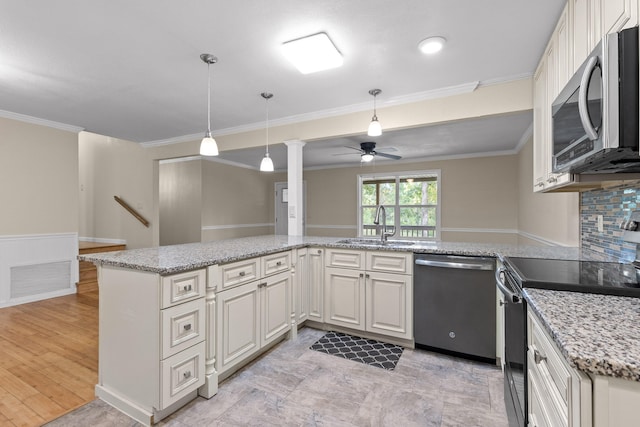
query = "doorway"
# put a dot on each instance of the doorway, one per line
(281, 207)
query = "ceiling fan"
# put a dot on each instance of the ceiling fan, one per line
(368, 152)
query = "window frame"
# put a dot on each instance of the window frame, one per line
(397, 176)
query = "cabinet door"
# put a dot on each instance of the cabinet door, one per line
(344, 304)
(276, 314)
(618, 14)
(315, 263)
(300, 296)
(581, 44)
(238, 330)
(539, 126)
(389, 304)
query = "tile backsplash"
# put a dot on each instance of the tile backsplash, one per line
(614, 204)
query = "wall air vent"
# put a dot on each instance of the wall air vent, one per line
(35, 279)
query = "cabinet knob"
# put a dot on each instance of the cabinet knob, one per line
(279, 263)
(361, 275)
(242, 273)
(187, 327)
(538, 357)
(186, 374)
(319, 251)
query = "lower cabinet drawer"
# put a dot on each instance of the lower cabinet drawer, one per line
(182, 373)
(182, 326)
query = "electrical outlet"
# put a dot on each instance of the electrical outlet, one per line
(600, 222)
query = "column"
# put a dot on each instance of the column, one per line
(295, 212)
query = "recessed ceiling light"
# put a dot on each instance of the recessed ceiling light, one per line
(312, 53)
(432, 45)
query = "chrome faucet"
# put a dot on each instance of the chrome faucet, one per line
(383, 233)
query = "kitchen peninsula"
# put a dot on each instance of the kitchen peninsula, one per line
(175, 320)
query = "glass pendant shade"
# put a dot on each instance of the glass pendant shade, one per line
(267, 164)
(374, 127)
(366, 158)
(208, 146)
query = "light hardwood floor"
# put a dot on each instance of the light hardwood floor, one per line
(48, 358)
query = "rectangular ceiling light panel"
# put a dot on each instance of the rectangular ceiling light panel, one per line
(312, 53)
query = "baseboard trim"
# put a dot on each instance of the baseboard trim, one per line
(233, 226)
(102, 240)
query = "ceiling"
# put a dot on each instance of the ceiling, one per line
(498, 134)
(131, 69)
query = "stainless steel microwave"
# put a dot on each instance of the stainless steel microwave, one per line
(595, 117)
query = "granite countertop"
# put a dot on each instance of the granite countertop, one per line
(178, 258)
(597, 334)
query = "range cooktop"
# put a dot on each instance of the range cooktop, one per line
(580, 276)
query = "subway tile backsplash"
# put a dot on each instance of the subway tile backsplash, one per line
(614, 204)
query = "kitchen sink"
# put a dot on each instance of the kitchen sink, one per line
(377, 242)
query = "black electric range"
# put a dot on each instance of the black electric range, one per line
(580, 276)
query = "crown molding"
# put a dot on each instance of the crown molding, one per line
(348, 109)
(41, 122)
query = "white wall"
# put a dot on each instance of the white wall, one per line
(114, 167)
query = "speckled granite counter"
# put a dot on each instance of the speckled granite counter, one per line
(597, 334)
(177, 258)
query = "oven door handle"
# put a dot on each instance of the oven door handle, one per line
(512, 296)
(592, 133)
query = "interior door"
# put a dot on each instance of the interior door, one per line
(281, 206)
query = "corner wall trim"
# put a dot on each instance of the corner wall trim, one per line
(335, 227)
(540, 239)
(41, 122)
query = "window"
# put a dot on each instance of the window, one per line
(411, 201)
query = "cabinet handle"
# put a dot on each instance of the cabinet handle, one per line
(262, 285)
(187, 374)
(361, 275)
(367, 276)
(279, 263)
(537, 357)
(552, 180)
(242, 273)
(187, 327)
(540, 184)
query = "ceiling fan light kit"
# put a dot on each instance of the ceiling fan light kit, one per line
(375, 129)
(208, 146)
(266, 165)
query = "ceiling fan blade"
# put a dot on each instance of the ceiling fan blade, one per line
(353, 148)
(388, 156)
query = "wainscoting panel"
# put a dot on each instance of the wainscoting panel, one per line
(35, 267)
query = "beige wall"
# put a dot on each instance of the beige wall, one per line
(236, 202)
(114, 167)
(479, 200)
(39, 179)
(180, 201)
(487, 100)
(552, 217)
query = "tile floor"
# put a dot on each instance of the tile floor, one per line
(294, 386)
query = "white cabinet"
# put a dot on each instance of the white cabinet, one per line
(300, 290)
(251, 309)
(558, 395)
(315, 283)
(578, 30)
(592, 19)
(344, 304)
(370, 291)
(389, 304)
(550, 77)
(152, 341)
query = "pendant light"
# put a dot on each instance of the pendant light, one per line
(208, 146)
(374, 127)
(267, 164)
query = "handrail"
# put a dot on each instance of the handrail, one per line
(132, 211)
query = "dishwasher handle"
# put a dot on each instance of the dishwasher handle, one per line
(456, 265)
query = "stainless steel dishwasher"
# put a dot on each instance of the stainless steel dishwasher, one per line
(454, 305)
